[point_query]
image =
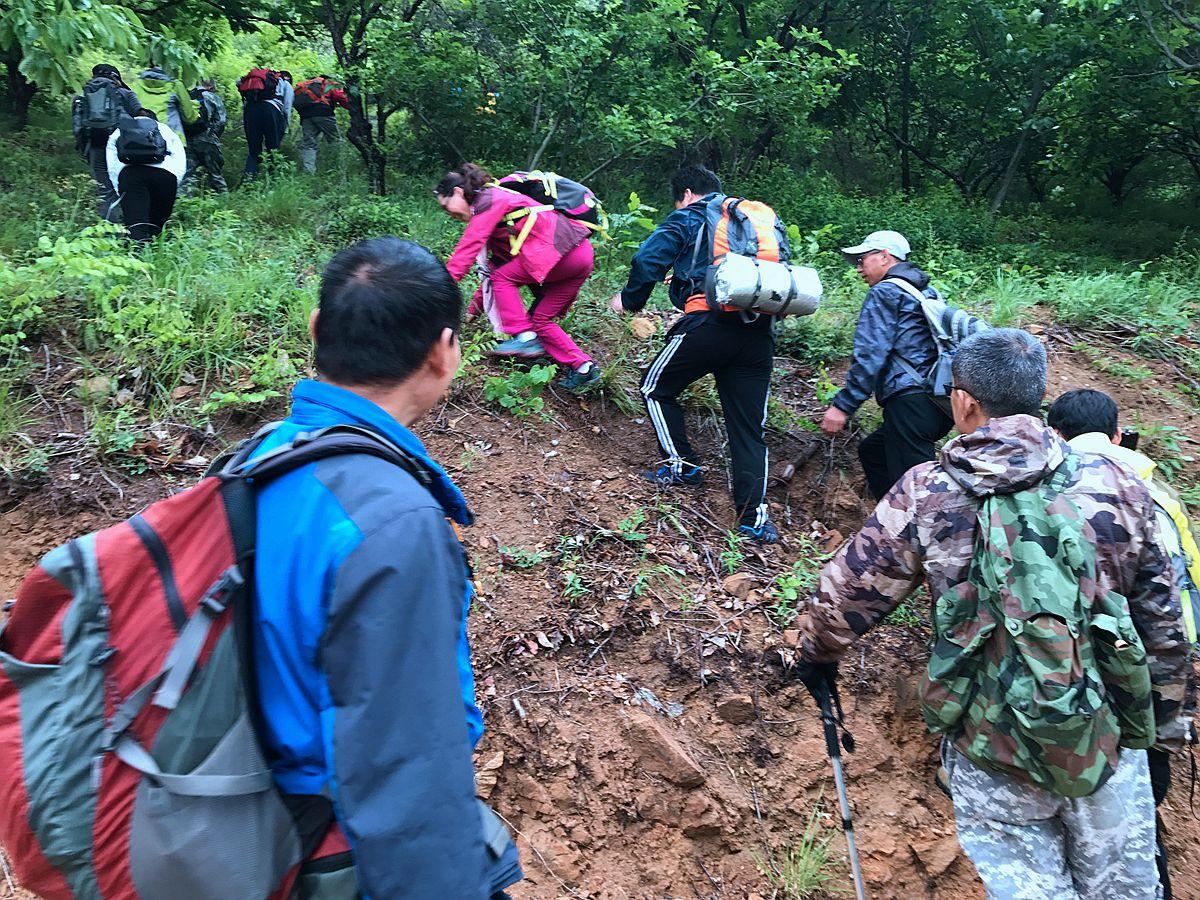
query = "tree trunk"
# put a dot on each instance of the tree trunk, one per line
(906, 122)
(1014, 161)
(362, 136)
(20, 93)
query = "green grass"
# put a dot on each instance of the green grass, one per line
(806, 869)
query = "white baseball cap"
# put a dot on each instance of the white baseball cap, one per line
(892, 241)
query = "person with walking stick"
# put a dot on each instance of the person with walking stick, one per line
(1059, 649)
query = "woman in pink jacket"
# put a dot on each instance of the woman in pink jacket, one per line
(544, 250)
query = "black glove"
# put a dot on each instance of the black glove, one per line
(819, 678)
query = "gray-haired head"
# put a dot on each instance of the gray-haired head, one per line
(1004, 369)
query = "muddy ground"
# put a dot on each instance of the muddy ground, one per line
(643, 739)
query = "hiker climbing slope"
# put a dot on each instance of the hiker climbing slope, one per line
(737, 350)
(527, 245)
(1087, 420)
(204, 139)
(94, 116)
(1059, 651)
(893, 347)
(167, 98)
(316, 101)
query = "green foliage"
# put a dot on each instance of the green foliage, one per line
(519, 391)
(732, 556)
(806, 869)
(795, 584)
(522, 558)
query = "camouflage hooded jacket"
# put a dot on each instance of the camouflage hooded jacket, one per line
(924, 529)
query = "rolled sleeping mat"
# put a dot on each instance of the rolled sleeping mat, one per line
(762, 286)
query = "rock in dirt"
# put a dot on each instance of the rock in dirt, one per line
(736, 710)
(739, 585)
(936, 856)
(661, 753)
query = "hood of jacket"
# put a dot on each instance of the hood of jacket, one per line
(910, 273)
(1004, 456)
(156, 81)
(1099, 443)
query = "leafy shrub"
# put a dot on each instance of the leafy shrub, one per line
(520, 391)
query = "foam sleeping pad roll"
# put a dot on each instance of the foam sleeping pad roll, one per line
(762, 286)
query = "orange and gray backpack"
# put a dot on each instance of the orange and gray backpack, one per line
(132, 762)
(748, 230)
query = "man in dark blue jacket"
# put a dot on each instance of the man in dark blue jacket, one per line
(893, 345)
(363, 670)
(738, 354)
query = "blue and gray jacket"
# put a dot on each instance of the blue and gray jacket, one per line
(890, 325)
(671, 245)
(363, 669)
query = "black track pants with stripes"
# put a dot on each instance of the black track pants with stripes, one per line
(739, 356)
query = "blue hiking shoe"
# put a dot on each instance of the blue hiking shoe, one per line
(765, 533)
(525, 345)
(581, 380)
(665, 476)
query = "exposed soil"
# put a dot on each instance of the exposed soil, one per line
(643, 740)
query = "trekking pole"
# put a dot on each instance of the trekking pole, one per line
(835, 757)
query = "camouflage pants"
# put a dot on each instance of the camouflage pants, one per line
(1029, 844)
(206, 155)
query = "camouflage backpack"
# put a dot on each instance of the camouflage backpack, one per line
(1027, 675)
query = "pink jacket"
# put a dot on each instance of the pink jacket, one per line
(551, 237)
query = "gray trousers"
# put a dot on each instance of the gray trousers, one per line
(1029, 844)
(309, 130)
(106, 195)
(206, 155)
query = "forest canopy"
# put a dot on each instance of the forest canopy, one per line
(998, 102)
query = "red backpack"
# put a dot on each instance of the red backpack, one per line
(128, 723)
(258, 84)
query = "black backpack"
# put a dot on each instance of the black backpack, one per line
(139, 142)
(101, 106)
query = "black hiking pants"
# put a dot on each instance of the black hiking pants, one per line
(147, 198)
(1160, 783)
(106, 194)
(912, 424)
(264, 131)
(739, 356)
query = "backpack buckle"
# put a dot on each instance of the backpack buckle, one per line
(213, 601)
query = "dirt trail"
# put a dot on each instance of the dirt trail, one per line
(642, 738)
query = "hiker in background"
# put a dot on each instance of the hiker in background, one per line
(167, 98)
(315, 101)
(526, 245)
(738, 353)
(204, 139)
(146, 162)
(1087, 420)
(363, 668)
(285, 97)
(94, 116)
(1050, 786)
(262, 116)
(893, 345)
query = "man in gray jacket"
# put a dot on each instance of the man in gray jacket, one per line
(892, 345)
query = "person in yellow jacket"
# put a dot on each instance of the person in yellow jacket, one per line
(167, 98)
(1087, 419)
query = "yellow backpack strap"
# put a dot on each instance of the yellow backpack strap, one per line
(515, 243)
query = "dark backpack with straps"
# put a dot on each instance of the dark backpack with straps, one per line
(101, 106)
(140, 141)
(128, 718)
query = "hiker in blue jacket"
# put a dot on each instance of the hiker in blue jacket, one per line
(363, 669)
(893, 344)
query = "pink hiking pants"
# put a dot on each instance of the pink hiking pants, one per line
(552, 299)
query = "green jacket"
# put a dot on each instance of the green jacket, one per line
(167, 98)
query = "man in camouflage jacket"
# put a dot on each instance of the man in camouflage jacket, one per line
(1025, 842)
